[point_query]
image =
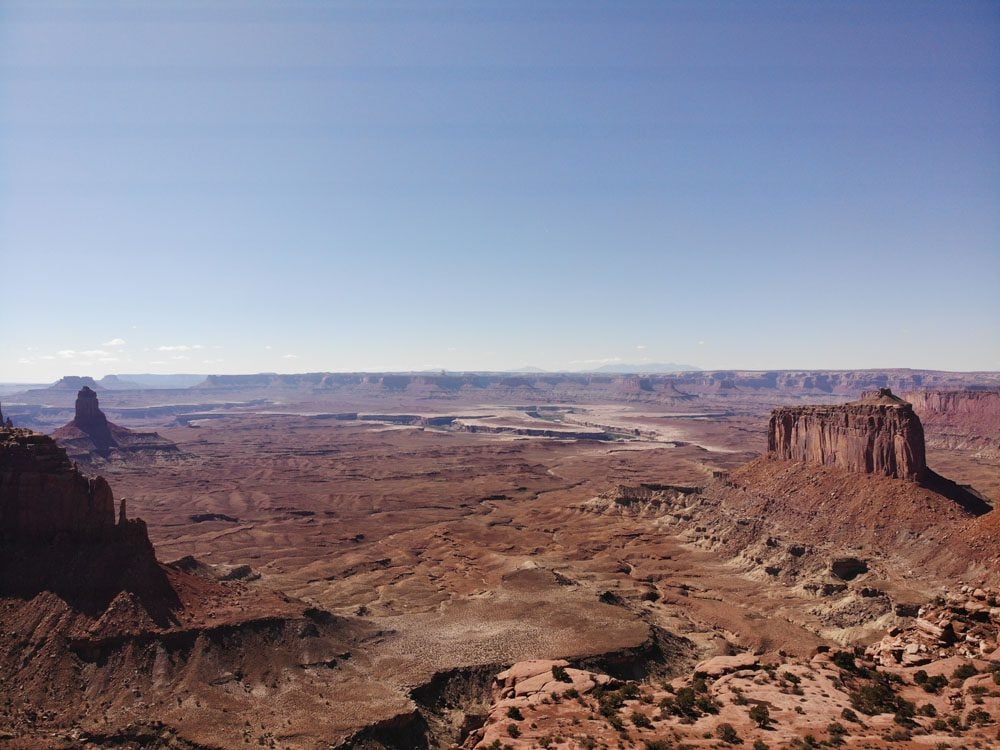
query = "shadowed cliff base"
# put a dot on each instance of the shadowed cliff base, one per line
(59, 534)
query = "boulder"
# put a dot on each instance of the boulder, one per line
(720, 665)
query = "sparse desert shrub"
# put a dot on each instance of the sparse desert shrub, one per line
(760, 715)
(641, 720)
(790, 677)
(608, 709)
(845, 660)
(513, 712)
(836, 729)
(927, 710)
(760, 745)
(978, 716)
(560, 674)
(513, 730)
(878, 697)
(706, 705)
(964, 671)
(658, 745)
(849, 715)
(920, 677)
(684, 702)
(727, 733)
(935, 683)
(630, 690)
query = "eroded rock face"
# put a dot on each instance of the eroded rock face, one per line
(967, 420)
(42, 497)
(878, 434)
(981, 403)
(58, 530)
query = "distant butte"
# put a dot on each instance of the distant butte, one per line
(91, 436)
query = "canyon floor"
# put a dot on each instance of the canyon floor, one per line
(475, 536)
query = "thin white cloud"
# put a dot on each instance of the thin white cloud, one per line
(268, 346)
(94, 353)
(641, 346)
(108, 359)
(114, 342)
(66, 353)
(289, 356)
(212, 361)
(179, 348)
(46, 356)
(24, 361)
(180, 356)
(157, 362)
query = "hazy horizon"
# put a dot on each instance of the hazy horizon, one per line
(219, 188)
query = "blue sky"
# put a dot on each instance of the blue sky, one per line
(296, 186)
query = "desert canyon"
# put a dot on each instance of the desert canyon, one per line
(480, 561)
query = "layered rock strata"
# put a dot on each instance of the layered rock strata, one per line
(58, 530)
(962, 420)
(878, 434)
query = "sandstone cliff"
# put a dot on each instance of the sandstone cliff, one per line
(963, 420)
(58, 532)
(100, 645)
(878, 434)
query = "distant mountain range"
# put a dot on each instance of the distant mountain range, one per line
(646, 367)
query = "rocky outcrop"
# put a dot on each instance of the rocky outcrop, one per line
(972, 403)
(963, 623)
(878, 434)
(90, 420)
(90, 434)
(58, 531)
(967, 420)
